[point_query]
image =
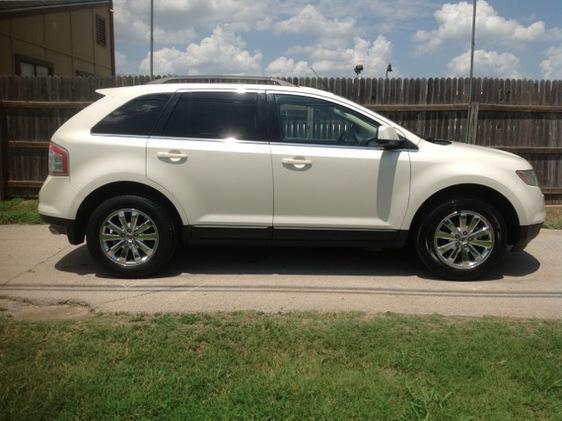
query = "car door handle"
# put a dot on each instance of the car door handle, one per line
(297, 161)
(172, 156)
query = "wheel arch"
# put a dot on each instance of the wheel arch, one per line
(113, 189)
(495, 198)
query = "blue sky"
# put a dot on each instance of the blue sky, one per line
(421, 38)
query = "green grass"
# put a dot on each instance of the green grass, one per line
(19, 211)
(250, 365)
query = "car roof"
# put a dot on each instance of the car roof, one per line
(173, 87)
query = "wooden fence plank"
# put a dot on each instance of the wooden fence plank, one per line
(26, 144)
(45, 104)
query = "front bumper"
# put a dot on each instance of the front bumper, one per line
(64, 226)
(526, 234)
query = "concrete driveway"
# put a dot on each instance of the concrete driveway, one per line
(39, 267)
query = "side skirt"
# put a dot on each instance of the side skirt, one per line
(288, 236)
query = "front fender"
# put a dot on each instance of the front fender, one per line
(429, 179)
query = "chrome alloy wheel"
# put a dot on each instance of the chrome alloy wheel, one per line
(463, 240)
(128, 237)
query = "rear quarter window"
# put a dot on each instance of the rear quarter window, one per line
(137, 117)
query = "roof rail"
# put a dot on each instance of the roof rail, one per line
(261, 80)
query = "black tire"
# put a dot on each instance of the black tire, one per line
(424, 238)
(166, 233)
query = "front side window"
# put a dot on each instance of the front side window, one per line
(314, 121)
(137, 117)
(215, 115)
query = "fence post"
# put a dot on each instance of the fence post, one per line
(472, 123)
(3, 153)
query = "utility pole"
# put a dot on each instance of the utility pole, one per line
(151, 39)
(470, 125)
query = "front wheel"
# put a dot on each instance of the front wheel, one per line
(131, 235)
(461, 239)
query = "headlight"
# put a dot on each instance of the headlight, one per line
(529, 177)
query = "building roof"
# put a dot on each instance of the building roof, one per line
(9, 7)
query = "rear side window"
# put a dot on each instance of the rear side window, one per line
(215, 115)
(136, 117)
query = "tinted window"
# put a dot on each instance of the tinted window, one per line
(136, 117)
(215, 115)
(314, 121)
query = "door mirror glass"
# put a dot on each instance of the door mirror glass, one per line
(389, 138)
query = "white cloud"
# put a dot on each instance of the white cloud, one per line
(373, 55)
(486, 63)
(176, 21)
(383, 15)
(132, 25)
(551, 66)
(221, 52)
(310, 21)
(328, 61)
(284, 66)
(238, 15)
(454, 22)
(331, 54)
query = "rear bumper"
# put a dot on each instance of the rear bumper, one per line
(526, 234)
(63, 226)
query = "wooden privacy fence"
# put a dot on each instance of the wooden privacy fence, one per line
(520, 116)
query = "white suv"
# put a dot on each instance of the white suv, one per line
(146, 168)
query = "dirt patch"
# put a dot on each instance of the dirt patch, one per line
(22, 310)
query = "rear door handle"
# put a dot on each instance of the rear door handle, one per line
(172, 156)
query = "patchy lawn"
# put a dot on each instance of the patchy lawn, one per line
(553, 217)
(19, 211)
(250, 365)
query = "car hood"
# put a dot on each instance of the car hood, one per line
(465, 151)
(465, 147)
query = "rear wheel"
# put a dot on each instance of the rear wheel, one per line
(461, 238)
(131, 235)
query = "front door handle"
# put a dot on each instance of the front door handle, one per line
(174, 156)
(298, 162)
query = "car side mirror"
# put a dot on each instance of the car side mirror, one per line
(389, 138)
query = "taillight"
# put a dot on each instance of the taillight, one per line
(58, 160)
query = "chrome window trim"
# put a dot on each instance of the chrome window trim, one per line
(370, 148)
(136, 136)
(259, 142)
(203, 139)
(263, 142)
